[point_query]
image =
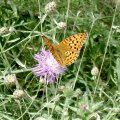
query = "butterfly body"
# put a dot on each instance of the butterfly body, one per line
(67, 51)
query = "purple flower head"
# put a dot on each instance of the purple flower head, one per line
(47, 68)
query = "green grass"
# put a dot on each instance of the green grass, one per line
(77, 96)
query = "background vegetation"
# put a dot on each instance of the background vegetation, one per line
(79, 95)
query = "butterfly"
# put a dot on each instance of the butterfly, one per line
(67, 51)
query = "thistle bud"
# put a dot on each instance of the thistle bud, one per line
(65, 113)
(50, 7)
(10, 79)
(3, 30)
(18, 94)
(84, 107)
(77, 92)
(96, 116)
(61, 88)
(94, 71)
(11, 29)
(61, 25)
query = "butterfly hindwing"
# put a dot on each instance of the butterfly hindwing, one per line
(76, 41)
(74, 44)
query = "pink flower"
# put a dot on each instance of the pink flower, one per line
(47, 68)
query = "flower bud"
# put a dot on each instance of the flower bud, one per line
(61, 25)
(77, 92)
(65, 113)
(10, 79)
(11, 29)
(94, 71)
(50, 7)
(3, 30)
(96, 116)
(84, 107)
(18, 94)
(61, 88)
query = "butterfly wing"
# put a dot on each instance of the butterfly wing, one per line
(47, 42)
(70, 47)
(68, 50)
(53, 49)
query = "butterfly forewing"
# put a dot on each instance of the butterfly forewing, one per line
(47, 42)
(53, 49)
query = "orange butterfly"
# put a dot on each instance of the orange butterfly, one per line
(67, 51)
